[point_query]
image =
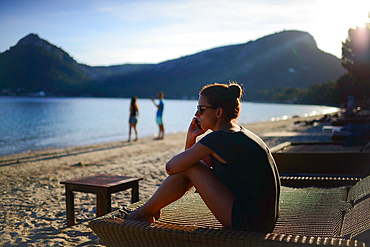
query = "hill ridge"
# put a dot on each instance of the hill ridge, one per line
(287, 58)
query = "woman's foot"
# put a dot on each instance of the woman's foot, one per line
(140, 215)
(157, 215)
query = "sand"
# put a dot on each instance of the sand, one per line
(32, 205)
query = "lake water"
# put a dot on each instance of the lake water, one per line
(38, 123)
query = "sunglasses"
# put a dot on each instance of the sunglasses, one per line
(201, 108)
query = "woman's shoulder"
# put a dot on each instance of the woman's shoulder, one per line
(211, 135)
(240, 131)
(215, 136)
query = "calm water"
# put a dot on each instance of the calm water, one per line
(37, 123)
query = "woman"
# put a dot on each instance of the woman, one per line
(134, 113)
(231, 168)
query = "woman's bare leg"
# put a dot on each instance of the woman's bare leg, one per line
(214, 193)
(172, 188)
(129, 132)
(135, 132)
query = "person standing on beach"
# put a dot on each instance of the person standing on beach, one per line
(231, 168)
(134, 113)
(159, 117)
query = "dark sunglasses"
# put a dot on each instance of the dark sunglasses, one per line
(201, 108)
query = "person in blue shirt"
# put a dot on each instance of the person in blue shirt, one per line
(159, 117)
(231, 168)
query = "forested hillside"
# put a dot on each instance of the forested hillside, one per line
(285, 59)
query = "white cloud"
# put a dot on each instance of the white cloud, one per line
(115, 32)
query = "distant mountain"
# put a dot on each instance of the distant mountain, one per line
(289, 58)
(34, 65)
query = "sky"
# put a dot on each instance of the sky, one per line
(112, 32)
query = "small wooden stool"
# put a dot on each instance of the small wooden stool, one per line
(103, 186)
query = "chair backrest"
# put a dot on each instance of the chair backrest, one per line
(356, 222)
(312, 211)
(360, 191)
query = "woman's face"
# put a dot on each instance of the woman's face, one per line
(207, 117)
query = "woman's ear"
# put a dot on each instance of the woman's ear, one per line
(219, 112)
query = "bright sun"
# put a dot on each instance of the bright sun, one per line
(334, 18)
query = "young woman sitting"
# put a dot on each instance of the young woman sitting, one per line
(231, 168)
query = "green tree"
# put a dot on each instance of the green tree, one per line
(289, 94)
(356, 58)
(326, 93)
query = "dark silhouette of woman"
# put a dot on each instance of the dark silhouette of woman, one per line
(134, 113)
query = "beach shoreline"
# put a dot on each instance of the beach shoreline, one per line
(32, 205)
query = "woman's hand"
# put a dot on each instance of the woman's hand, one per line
(195, 129)
(193, 132)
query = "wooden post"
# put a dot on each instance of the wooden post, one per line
(70, 207)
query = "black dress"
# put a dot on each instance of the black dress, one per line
(250, 173)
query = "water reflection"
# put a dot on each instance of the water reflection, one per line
(36, 123)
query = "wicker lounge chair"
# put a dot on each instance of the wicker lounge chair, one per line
(308, 216)
(322, 158)
(350, 135)
(360, 117)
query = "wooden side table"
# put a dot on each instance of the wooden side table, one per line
(103, 186)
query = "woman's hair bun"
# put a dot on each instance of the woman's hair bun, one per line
(236, 88)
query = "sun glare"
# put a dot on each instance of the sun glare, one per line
(332, 20)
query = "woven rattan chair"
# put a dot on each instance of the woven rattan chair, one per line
(360, 117)
(329, 158)
(308, 216)
(295, 180)
(343, 121)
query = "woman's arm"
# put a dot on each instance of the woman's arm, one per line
(188, 158)
(190, 141)
(194, 152)
(193, 132)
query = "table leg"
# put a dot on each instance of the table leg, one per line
(103, 204)
(99, 205)
(70, 207)
(135, 193)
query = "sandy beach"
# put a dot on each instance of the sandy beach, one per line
(32, 205)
